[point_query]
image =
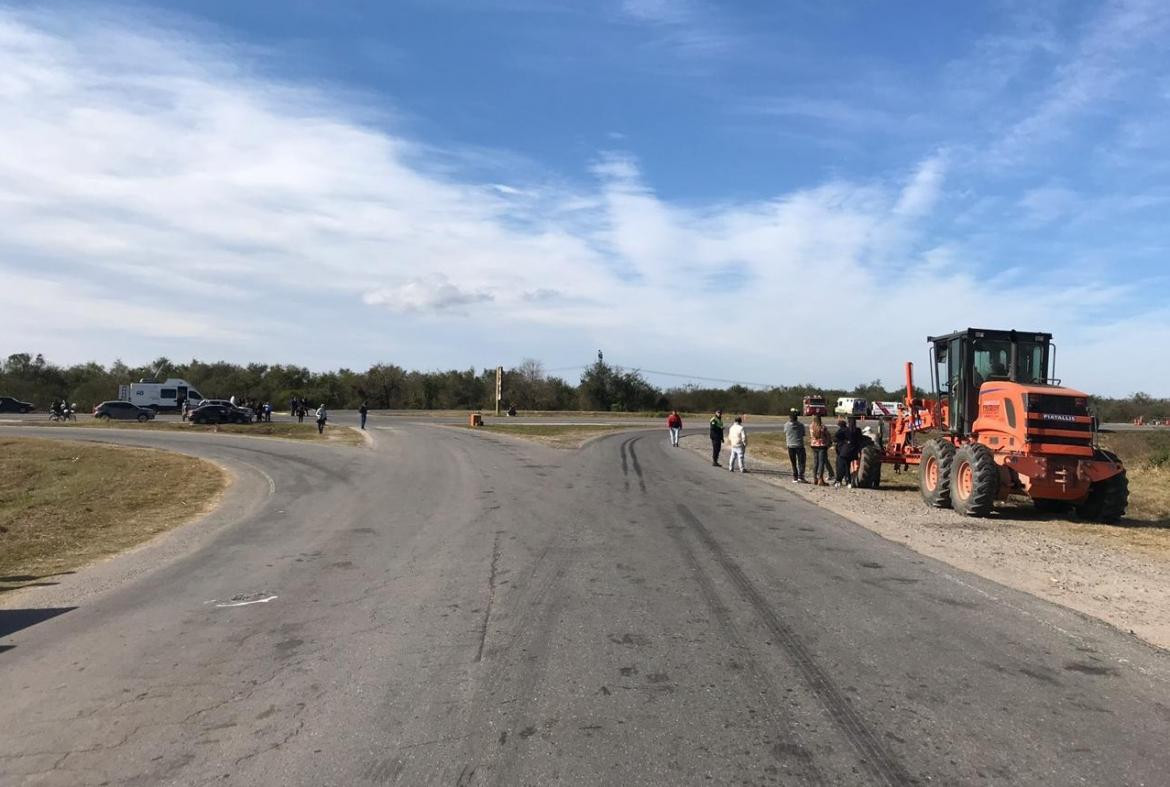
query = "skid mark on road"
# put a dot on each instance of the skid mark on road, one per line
(637, 464)
(878, 760)
(798, 751)
(487, 612)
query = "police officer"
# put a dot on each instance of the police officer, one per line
(716, 436)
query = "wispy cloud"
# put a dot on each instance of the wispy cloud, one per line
(161, 183)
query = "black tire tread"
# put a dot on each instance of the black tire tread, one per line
(944, 453)
(985, 480)
(1107, 500)
(869, 467)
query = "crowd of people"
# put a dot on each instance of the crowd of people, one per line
(847, 440)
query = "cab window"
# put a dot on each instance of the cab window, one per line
(166, 393)
(992, 359)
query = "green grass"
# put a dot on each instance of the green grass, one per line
(65, 504)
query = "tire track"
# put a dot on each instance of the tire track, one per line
(637, 464)
(808, 773)
(881, 763)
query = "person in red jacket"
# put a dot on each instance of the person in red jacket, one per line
(674, 424)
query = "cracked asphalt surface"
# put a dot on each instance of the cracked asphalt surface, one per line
(446, 607)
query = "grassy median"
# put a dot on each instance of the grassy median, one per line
(555, 435)
(282, 429)
(65, 504)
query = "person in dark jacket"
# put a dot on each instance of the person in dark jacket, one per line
(848, 443)
(363, 411)
(716, 436)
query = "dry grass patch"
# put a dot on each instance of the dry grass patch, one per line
(554, 435)
(281, 429)
(65, 504)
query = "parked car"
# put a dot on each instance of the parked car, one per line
(9, 404)
(220, 414)
(123, 411)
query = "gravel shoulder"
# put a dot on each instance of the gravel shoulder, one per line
(1118, 574)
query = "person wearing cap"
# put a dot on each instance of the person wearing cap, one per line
(794, 439)
(716, 436)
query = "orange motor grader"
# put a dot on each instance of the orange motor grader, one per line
(1002, 426)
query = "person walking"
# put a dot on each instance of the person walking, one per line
(300, 412)
(674, 424)
(794, 439)
(363, 411)
(818, 438)
(848, 443)
(716, 436)
(737, 436)
(322, 417)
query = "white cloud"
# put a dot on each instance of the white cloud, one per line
(158, 183)
(433, 293)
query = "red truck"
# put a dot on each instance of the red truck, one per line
(815, 405)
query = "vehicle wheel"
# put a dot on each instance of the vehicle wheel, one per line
(1107, 500)
(934, 473)
(974, 480)
(1046, 506)
(103, 417)
(143, 418)
(869, 467)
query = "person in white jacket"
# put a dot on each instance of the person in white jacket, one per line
(737, 436)
(322, 417)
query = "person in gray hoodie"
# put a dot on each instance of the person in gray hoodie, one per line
(794, 439)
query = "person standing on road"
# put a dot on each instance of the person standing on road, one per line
(322, 417)
(674, 424)
(737, 436)
(848, 442)
(716, 436)
(794, 439)
(818, 438)
(363, 411)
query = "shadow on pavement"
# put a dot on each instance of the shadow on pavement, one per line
(14, 620)
(18, 581)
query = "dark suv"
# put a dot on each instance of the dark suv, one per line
(122, 411)
(11, 405)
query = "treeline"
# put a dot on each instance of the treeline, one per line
(387, 386)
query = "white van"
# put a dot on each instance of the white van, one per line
(851, 405)
(884, 409)
(167, 395)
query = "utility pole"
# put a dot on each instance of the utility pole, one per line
(499, 387)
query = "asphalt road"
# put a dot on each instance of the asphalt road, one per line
(451, 608)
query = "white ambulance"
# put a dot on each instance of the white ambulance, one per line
(164, 396)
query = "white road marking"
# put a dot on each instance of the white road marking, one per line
(245, 603)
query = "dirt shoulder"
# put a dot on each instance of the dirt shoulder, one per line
(1118, 574)
(64, 504)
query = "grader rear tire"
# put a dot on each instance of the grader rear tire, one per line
(869, 467)
(974, 480)
(934, 473)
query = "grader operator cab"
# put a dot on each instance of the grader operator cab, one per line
(1004, 426)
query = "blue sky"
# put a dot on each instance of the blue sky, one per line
(757, 191)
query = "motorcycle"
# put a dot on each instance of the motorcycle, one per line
(64, 414)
